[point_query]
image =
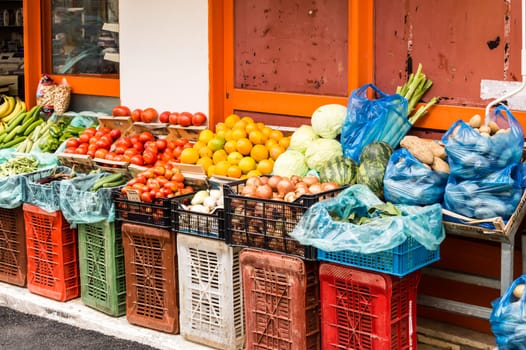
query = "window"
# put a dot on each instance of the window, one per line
(84, 37)
(73, 39)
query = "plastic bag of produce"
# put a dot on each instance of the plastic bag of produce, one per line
(81, 205)
(473, 153)
(497, 194)
(357, 220)
(43, 195)
(508, 317)
(408, 181)
(370, 120)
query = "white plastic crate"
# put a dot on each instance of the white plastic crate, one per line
(210, 292)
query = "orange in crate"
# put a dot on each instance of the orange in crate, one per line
(367, 310)
(151, 277)
(13, 263)
(281, 301)
(52, 261)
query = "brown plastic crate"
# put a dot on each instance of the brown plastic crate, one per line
(150, 258)
(281, 296)
(52, 254)
(13, 258)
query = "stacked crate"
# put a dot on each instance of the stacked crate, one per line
(13, 261)
(102, 274)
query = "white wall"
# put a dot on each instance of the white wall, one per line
(164, 54)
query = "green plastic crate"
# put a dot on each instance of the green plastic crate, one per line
(102, 275)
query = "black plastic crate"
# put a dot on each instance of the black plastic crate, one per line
(266, 223)
(156, 213)
(211, 225)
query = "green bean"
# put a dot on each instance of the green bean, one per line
(18, 165)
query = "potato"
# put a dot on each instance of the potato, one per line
(475, 121)
(418, 148)
(438, 150)
(440, 165)
(493, 127)
(485, 129)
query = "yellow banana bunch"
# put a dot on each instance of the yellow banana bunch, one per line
(7, 106)
(19, 107)
(2, 126)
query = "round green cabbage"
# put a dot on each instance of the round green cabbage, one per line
(290, 163)
(322, 151)
(301, 138)
(327, 120)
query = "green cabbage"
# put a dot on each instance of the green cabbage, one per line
(327, 120)
(322, 151)
(290, 163)
(301, 138)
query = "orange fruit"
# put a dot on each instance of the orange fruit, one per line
(276, 135)
(244, 146)
(219, 155)
(251, 127)
(238, 133)
(260, 125)
(265, 166)
(266, 131)
(230, 146)
(189, 156)
(211, 171)
(206, 135)
(247, 164)
(222, 168)
(205, 162)
(259, 152)
(216, 143)
(285, 142)
(248, 120)
(205, 152)
(234, 158)
(223, 132)
(252, 173)
(257, 137)
(234, 171)
(275, 151)
(270, 143)
(231, 120)
(240, 124)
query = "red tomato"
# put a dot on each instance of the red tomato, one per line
(136, 159)
(184, 119)
(131, 152)
(120, 149)
(161, 144)
(146, 136)
(73, 142)
(90, 131)
(138, 146)
(124, 141)
(121, 111)
(115, 134)
(104, 130)
(172, 118)
(173, 186)
(146, 197)
(158, 170)
(84, 138)
(149, 115)
(70, 149)
(181, 141)
(164, 117)
(136, 115)
(178, 177)
(198, 119)
(101, 153)
(149, 157)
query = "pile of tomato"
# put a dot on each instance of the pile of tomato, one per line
(91, 141)
(160, 181)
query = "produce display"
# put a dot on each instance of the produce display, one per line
(18, 165)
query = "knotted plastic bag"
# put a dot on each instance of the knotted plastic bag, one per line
(496, 194)
(321, 225)
(408, 181)
(508, 318)
(80, 205)
(44, 196)
(472, 154)
(370, 120)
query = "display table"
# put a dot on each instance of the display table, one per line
(503, 233)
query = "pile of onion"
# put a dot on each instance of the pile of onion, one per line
(284, 188)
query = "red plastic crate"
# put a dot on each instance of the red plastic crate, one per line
(13, 260)
(52, 262)
(365, 310)
(281, 295)
(150, 258)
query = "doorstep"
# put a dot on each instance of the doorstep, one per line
(431, 335)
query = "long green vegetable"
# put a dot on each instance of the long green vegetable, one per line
(18, 165)
(413, 90)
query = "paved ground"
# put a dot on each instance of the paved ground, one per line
(22, 331)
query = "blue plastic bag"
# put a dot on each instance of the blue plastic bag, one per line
(496, 194)
(370, 120)
(508, 318)
(472, 155)
(317, 226)
(409, 181)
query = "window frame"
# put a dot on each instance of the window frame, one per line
(37, 46)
